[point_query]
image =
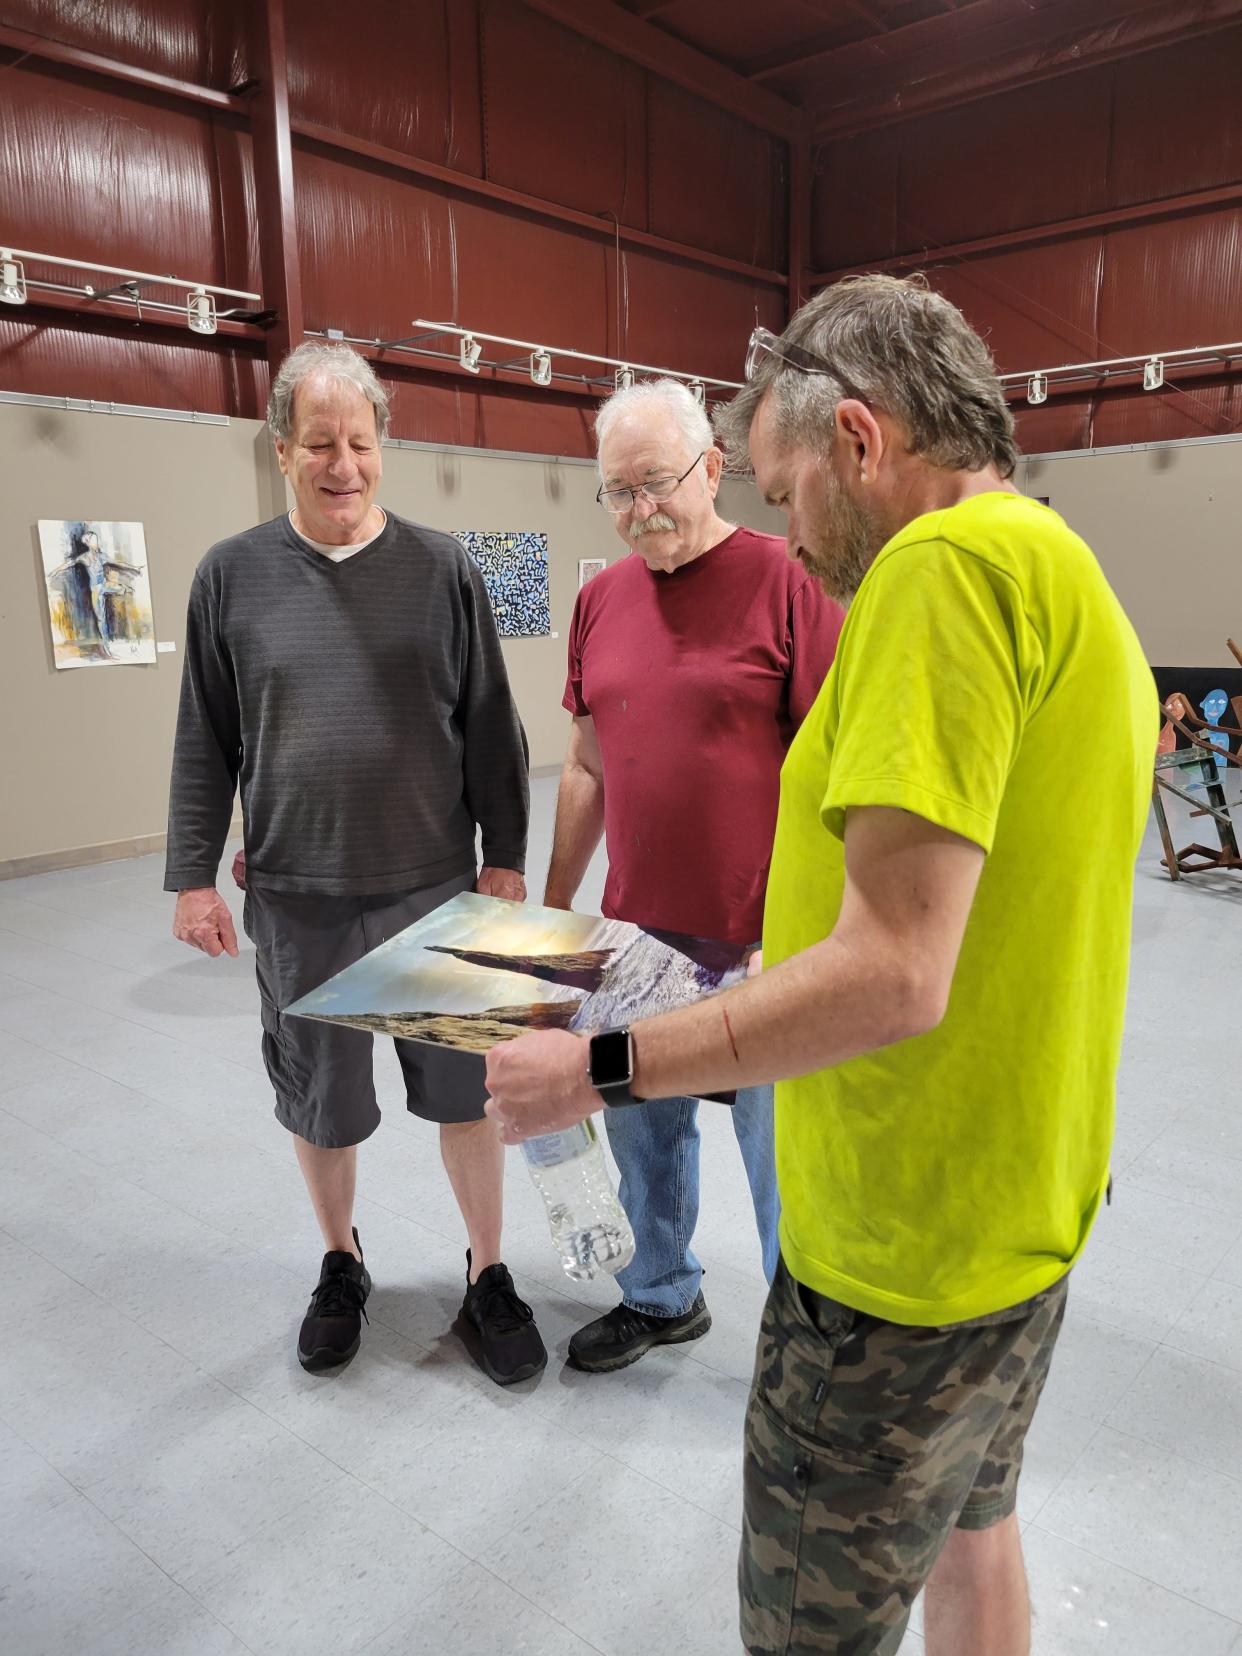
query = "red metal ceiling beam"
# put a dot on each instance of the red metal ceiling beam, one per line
(36, 46)
(275, 206)
(611, 26)
(958, 65)
(1197, 201)
(397, 160)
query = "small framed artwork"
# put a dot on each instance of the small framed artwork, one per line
(589, 568)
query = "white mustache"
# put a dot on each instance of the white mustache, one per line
(658, 521)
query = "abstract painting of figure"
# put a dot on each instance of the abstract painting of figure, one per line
(589, 568)
(514, 566)
(479, 970)
(98, 594)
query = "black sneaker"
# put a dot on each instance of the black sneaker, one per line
(623, 1335)
(332, 1328)
(510, 1345)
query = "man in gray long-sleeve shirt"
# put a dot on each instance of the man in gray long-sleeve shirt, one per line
(342, 667)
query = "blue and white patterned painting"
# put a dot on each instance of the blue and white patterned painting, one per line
(514, 565)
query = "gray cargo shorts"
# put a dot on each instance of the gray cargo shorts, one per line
(322, 1073)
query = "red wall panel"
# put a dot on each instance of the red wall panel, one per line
(1174, 283)
(855, 199)
(714, 181)
(563, 118)
(1177, 126)
(1060, 423)
(1032, 156)
(194, 40)
(390, 81)
(1035, 306)
(113, 362)
(695, 320)
(95, 173)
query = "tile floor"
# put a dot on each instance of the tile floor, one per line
(172, 1483)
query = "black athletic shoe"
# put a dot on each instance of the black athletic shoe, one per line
(510, 1345)
(332, 1329)
(623, 1335)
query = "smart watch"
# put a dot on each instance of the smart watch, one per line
(610, 1066)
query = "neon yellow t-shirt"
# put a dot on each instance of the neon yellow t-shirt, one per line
(987, 680)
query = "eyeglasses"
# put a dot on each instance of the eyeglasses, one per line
(764, 343)
(656, 489)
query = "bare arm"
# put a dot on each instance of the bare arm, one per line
(579, 815)
(883, 975)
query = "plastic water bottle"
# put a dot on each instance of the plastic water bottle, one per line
(588, 1223)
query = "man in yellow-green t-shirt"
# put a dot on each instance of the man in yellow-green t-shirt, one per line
(946, 945)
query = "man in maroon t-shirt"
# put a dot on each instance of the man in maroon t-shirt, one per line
(691, 666)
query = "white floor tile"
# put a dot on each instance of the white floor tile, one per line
(336, 1575)
(629, 1529)
(70, 1576)
(477, 1615)
(474, 1469)
(1167, 1519)
(1085, 1606)
(1094, 1365)
(1189, 1405)
(1211, 1325)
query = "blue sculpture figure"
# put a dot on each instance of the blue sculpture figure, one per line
(1213, 706)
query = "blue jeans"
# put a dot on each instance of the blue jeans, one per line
(656, 1146)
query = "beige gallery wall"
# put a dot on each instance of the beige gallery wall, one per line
(1166, 523)
(86, 751)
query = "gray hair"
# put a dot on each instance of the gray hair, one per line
(336, 362)
(670, 396)
(898, 347)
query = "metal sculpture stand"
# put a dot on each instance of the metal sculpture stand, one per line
(1206, 759)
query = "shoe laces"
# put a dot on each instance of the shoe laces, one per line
(498, 1305)
(337, 1295)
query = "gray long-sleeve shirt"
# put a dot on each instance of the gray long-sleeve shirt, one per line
(363, 707)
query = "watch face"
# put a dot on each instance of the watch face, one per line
(612, 1063)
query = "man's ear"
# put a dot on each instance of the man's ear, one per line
(860, 438)
(713, 465)
(282, 459)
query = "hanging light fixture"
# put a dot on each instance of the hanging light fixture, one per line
(540, 368)
(1037, 388)
(200, 309)
(697, 390)
(1153, 374)
(623, 378)
(12, 279)
(470, 351)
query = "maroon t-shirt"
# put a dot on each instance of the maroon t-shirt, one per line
(696, 682)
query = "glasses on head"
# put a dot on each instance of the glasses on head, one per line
(764, 344)
(656, 489)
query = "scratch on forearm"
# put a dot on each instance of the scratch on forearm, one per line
(729, 1032)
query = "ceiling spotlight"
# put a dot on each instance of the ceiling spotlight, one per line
(470, 352)
(540, 368)
(1037, 388)
(200, 310)
(623, 379)
(1153, 374)
(12, 280)
(697, 390)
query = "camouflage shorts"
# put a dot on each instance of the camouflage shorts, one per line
(867, 1442)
